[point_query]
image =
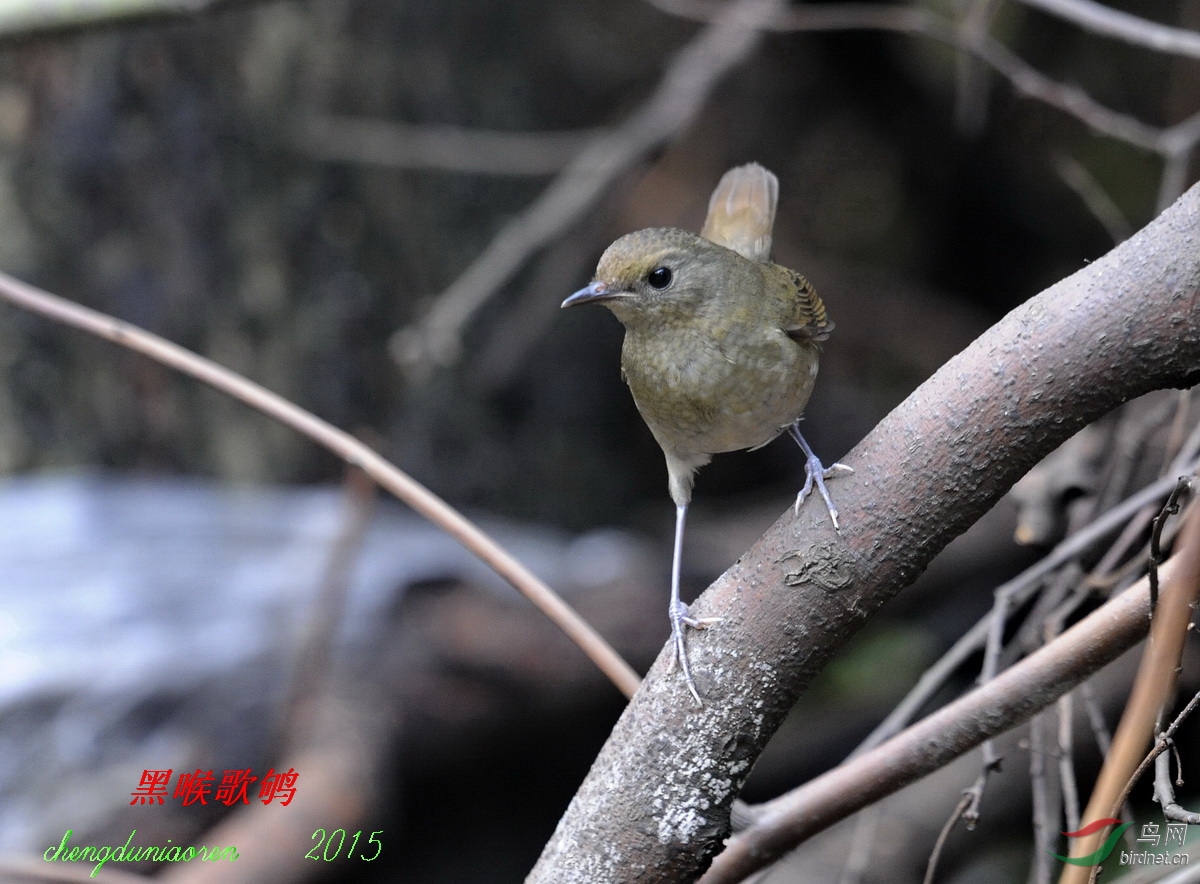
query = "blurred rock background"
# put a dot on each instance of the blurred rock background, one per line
(183, 174)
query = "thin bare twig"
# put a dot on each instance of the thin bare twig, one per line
(1094, 17)
(1175, 438)
(968, 808)
(1176, 165)
(312, 664)
(858, 857)
(1173, 144)
(1164, 789)
(1027, 583)
(1021, 588)
(23, 17)
(1066, 760)
(1152, 688)
(342, 444)
(1095, 716)
(971, 92)
(1077, 177)
(1109, 22)
(1044, 805)
(436, 339)
(1170, 508)
(974, 794)
(1100, 732)
(396, 145)
(1026, 687)
(1046, 619)
(944, 835)
(1161, 744)
(1027, 80)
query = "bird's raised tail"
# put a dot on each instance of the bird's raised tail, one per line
(741, 211)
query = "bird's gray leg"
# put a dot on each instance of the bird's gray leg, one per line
(815, 474)
(679, 611)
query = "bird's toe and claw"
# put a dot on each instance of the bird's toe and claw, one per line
(815, 474)
(681, 617)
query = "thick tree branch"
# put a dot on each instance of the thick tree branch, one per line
(655, 806)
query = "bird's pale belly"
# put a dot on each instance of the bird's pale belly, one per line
(711, 405)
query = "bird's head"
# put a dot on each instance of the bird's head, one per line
(658, 275)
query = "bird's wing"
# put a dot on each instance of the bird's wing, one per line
(741, 211)
(807, 321)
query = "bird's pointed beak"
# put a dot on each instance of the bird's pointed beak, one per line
(594, 291)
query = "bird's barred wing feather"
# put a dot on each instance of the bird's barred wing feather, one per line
(808, 321)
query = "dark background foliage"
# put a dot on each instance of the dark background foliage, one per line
(156, 173)
(159, 172)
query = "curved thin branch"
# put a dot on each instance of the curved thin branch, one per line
(1102, 206)
(1174, 143)
(21, 18)
(1025, 78)
(342, 444)
(1091, 16)
(1109, 22)
(655, 806)
(397, 145)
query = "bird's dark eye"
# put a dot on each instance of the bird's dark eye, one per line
(660, 277)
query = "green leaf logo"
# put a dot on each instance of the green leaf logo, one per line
(1100, 855)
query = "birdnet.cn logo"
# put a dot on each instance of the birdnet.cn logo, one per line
(1176, 834)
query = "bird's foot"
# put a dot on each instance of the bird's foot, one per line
(680, 617)
(815, 474)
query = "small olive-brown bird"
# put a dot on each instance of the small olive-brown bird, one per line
(721, 345)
